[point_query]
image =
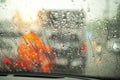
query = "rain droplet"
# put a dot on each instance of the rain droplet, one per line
(115, 31)
(84, 0)
(1, 34)
(88, 9)
(115, 2)
(114, 36)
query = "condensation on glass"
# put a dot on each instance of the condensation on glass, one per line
(81, 37)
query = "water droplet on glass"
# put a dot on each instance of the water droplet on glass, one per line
(84, 0)
(114, 36)
(115, 2)
(115, 31)
(88, 9)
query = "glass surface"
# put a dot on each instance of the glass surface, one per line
(79, 37)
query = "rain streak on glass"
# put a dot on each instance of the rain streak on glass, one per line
(81, 41)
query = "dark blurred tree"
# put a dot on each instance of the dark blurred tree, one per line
(113, 25)
(118, 15)
(107, 26)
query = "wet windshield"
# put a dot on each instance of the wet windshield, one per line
(80, 37)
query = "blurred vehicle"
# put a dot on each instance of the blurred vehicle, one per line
(114, 45)
(69, 49)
